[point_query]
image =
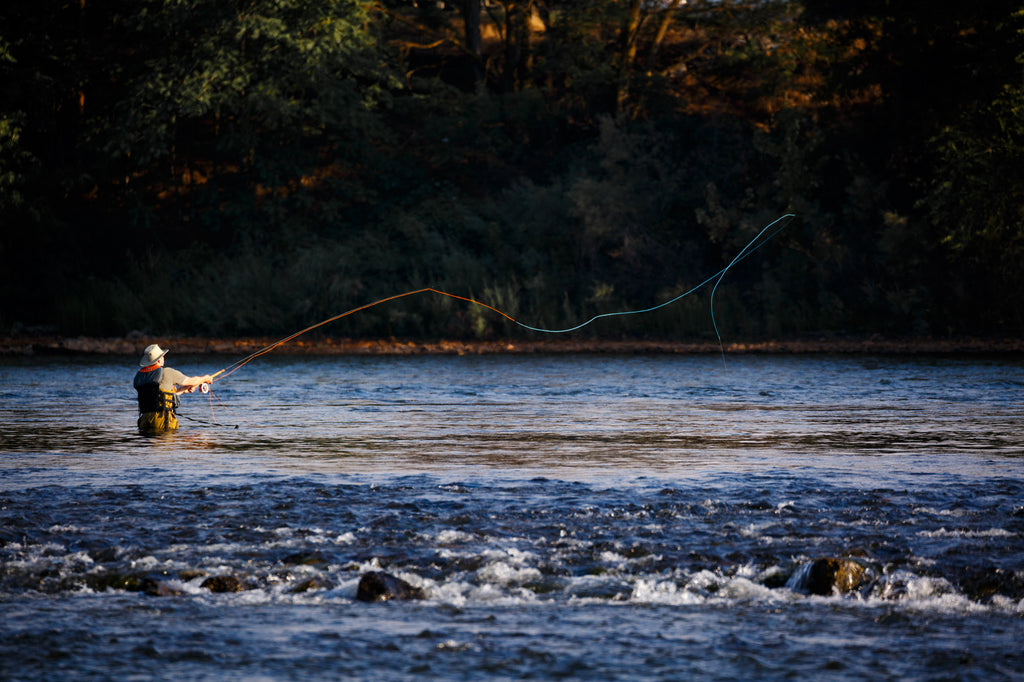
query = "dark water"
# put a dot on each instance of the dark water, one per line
(565, 517)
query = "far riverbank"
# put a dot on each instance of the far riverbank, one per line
(132, 345)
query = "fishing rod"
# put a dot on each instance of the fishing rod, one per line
(756, 243)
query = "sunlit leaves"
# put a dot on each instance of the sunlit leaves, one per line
(977, 192)
(235, 75)
(14, 162)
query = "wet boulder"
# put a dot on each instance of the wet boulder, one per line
(129, 582)
(155, 585)
(314, 583)
(379, 586)
(223, 583)
(314, 558)
(983, 583)
(830, 575)
(104, 554)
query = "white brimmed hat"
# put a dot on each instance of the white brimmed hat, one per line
(151, 355)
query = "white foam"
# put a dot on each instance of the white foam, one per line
(653, 591)
(372, 565)
(958, 533)
(454, 645)
(505, 574)
(748, 571)
(925, 588)
(451, 536)
(513, 555)
(66, 528)
(938, 512)
(79, 558)
(783, 506)
(453, 592)
(742, 589)
(463, 594)
(147, 562)
(613, 558)
(704, 580)
(757, 530)
(1008, 605)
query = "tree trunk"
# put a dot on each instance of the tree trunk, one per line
(659, 37)
(627, 41)
(517, 43)
(629, 34)
(471, 20)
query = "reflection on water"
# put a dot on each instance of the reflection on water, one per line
(582, 415)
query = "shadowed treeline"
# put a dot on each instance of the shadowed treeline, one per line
(219, 167)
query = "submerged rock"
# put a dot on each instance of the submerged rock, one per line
(314, 558)
(379, 586)
(830, 575)
(314, 583)
(154, 585)
(129, 582)
(223, 583)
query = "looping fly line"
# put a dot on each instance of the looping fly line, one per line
(756, 243)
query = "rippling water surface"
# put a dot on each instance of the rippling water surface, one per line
(590, 517)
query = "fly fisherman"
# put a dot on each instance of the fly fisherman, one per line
(158, 388)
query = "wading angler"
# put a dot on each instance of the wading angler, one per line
(159, 388)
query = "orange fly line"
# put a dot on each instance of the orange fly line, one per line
(227, 371)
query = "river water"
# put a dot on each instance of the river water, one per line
(582, 517)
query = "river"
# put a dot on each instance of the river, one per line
(611, 517)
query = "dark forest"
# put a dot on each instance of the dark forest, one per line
(231, 168)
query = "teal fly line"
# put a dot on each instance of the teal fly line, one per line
(756, 243)
(746, 251)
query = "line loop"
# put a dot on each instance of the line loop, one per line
(756, 243)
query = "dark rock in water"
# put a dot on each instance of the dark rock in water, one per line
(153, 585)
(223, 583)
(103, 554)
(305, 559)
(378, 586)
(315, 583)
(983, 583)
(114, 581)
(831, 575)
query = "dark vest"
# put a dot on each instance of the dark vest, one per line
(151, 398)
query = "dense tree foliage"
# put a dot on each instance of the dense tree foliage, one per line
(252, 166)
